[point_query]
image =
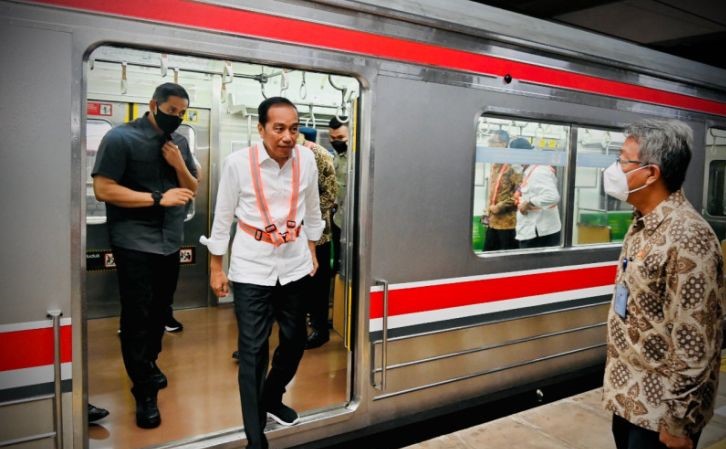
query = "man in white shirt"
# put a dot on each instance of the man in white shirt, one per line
(538, 215)
(272, 190)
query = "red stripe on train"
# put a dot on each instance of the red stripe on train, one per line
(435, 297)
(247, 23)
(32, 348)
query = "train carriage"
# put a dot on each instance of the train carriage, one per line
(428, 321)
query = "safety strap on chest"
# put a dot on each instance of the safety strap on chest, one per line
(270, 233)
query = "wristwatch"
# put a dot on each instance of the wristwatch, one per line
(156, 196)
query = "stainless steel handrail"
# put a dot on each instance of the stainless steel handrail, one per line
(384, 341)
(57, 379)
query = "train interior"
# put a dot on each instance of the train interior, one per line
(202, 397)
(597, 217)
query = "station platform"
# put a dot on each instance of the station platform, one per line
(577, 422)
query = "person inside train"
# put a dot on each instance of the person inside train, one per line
(537, 199)
(146, 175)
(501, 214)
(338, 134)
(273, 259)
(319, 302)
(664, 325)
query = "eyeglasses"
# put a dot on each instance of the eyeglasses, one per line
(622, 162)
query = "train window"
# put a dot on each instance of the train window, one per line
(518, 184)
(598, 218)
(716, 167)
(95, 130)
(189, 133)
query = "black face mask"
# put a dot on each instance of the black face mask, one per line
(339, 146)
(167, 123)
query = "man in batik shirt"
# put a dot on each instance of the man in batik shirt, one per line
(664, 325)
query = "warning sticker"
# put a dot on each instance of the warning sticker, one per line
(98, 108)
(102, 260)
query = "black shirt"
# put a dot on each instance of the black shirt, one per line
(130, 154)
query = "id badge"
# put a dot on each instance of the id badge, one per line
(621, 299)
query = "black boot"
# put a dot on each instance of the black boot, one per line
(147, 412)
(158, 377)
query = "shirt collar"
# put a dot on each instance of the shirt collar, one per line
(653, 219)
(146, 126)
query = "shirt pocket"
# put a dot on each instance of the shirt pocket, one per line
(144, 170)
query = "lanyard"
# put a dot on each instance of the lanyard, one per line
(277, 237)
(499, 181)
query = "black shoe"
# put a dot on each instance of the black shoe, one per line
(158, 377)
(283, 414)
(316, 340)
(96, 413)
(173, 325)
(147, 412)
(235, 355)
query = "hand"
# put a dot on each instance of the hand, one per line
(219, 283)
(172, 155)
(525, 207)
(494, 209)
(176, 197)
(675, 442)
(311, 247)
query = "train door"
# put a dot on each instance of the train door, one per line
(200, 400)
(715, 188)
(101, 283)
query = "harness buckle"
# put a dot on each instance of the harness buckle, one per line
(291, 224)
(270, 228)
(258, 235)
(284, 236)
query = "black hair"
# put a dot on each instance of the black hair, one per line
(265, 106)
(335, 123)
(521, 143)
(502, 136)
(166, 90)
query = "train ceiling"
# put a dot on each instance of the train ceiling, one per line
(694, 30)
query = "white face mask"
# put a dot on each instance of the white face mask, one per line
(615, 181)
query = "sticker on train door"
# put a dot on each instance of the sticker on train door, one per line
(98, 108)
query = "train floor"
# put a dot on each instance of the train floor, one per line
(202, 396)
(576, 422)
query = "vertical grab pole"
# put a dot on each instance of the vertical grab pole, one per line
(58, 393)
(384, 325)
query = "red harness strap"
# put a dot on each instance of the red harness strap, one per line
(271, 234)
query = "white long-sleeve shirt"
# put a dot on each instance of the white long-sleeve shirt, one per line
(539, 187)
(259, 262)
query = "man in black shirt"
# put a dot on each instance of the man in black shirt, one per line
(146, 175)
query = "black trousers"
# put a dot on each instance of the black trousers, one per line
(496, 239)
(629, 436)
(319, 302)
(146, 283)
(541, 241)
(256, 308)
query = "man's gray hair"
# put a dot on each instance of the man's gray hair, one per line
(665, 143)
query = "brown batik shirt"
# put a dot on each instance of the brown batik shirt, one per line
(326, 186)
(503, 183)
(663, 358)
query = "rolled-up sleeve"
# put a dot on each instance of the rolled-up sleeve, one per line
(314, 224)
(227, 199)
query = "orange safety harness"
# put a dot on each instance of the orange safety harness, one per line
(526, 179)
(271, 234)
(493, 196)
